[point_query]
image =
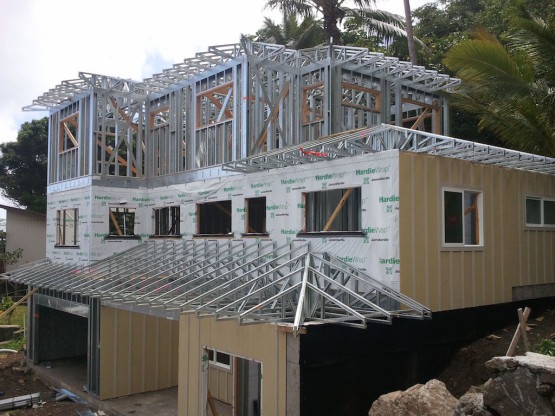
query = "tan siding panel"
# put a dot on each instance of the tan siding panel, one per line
(122, 346)
(137, 353)
(257, 342)
(433, 230)
(407, 279)
(512, 255)
(107, 353)
(419, 226)
(151, 364)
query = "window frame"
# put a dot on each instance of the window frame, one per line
(173, 218)
(61, 238)
(213, 359)
(330, 213)
(480, 220)
(112, 218)
(542, 224)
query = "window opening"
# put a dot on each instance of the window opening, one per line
(334, 210)
(256, 215)
(122, 221)
(214, 218)
(166, 221)
(68, 133)
(461, 221)
(67, 227)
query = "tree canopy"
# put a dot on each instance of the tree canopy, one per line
(23, 166)
(331, 13)
(510, 85)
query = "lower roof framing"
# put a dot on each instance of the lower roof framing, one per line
(252, 282)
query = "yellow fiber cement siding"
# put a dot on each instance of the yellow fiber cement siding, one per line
(263, 343)
(512, 254)
(138, 353)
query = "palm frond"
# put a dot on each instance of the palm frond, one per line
(381, 23)
(488, 64)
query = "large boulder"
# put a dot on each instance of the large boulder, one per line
(430, 399)
(521, 385)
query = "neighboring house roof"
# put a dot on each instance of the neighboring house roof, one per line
(23, 211)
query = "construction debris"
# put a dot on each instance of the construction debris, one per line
(20, 401)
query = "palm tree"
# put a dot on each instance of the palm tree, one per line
(333, 12)
(511, 87)
(307, 34)
(410, 34)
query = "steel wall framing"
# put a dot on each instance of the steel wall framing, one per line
(229, 103)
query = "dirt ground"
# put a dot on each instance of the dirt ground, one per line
(14, 383)
(467, 366)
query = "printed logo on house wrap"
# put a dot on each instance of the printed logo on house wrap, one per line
(380, 171)
(376, 234)
(388, 199)
(352, 259)
(275, 207)
(373, 171)
(329, 176)
(260, 185)
(293, 181)
(391, 260)
(288, 232)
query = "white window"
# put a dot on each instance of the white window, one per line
(66, 223)
(462, 218)
(540, 212)
(219, 359)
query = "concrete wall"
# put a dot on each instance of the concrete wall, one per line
(264, 343)
(25, 230)
(138, 353)
(512, 254)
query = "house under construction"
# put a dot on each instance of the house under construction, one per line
(233, 224)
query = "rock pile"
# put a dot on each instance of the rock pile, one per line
(519, 386)
(430, 399)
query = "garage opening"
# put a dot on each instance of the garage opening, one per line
(62, 338)
(61, 343)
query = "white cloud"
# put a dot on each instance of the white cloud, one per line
(45, 42)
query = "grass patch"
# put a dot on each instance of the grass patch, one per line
(16, 343)
(17, 317)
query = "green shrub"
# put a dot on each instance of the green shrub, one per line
(546, 347)
(6, 303)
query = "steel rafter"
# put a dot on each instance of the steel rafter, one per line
(385, 137)
(367, 62)
(253, 283)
